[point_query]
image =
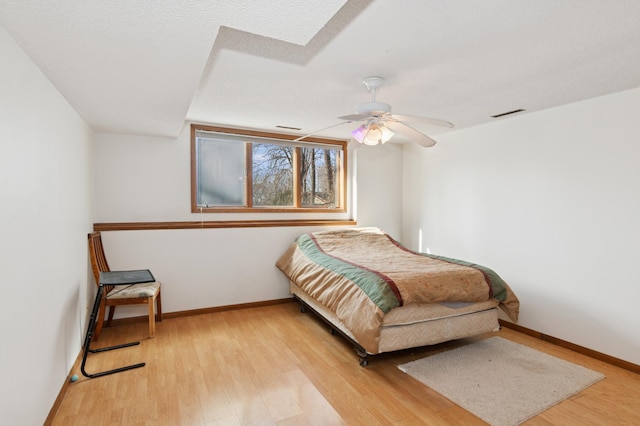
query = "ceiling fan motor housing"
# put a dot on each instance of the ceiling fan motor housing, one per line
(374, 108)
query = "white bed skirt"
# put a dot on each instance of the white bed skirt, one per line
(419, 325)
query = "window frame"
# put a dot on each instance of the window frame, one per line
(265, 137)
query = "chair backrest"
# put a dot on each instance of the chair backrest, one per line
(96, 253)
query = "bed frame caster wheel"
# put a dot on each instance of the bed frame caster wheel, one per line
(364, 357)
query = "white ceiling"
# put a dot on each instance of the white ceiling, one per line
(147, 66)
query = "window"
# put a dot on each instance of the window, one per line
(236, 170)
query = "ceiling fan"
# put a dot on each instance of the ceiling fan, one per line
(380, 124)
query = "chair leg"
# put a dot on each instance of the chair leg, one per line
(152, 322)
(100, 321)
(159, 307)
(112, 309)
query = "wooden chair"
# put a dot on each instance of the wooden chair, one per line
(121, 295)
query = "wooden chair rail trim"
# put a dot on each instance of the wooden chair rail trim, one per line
(140, 226)
(572, 346)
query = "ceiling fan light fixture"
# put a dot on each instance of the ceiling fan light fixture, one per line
(386, 134)
(359, 133)
(372, 134)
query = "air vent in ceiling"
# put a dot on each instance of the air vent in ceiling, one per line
(289, 127)
(515, 111)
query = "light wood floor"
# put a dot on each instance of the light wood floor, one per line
(276, 366)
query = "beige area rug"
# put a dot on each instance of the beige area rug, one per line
(502, 382)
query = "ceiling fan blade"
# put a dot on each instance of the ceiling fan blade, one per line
(425, 120)
(354, 117)
(321, 130)
(411, 133)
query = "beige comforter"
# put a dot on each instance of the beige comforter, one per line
(361, 274)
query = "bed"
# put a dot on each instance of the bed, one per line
(383, 297)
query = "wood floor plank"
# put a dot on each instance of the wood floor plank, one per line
(274, 365)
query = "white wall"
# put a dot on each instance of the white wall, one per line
(44, 220)
(148, 179)
(551, 201)
(379, 187)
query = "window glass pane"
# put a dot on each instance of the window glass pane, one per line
(237, 170)
(272, 175)
(220, 172)
(318, 169)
